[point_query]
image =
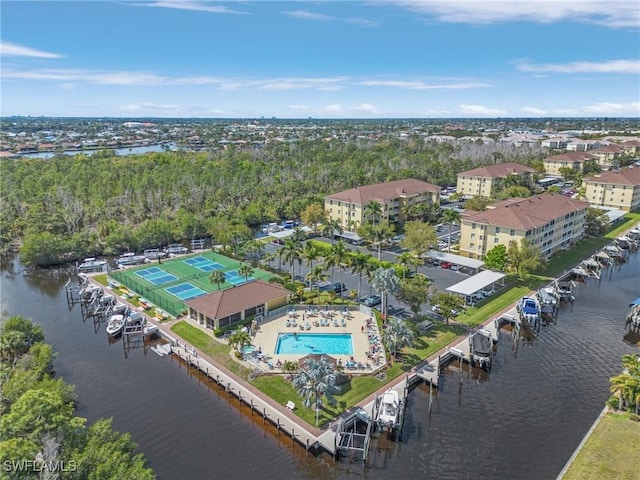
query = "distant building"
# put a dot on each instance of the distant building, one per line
(606, 156)
(616, 189)
(484, 181)
(573, 160)
(235, 304)
(550, 221)
(349, 207)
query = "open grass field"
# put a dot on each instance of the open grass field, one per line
(173, 281)
(610, 453)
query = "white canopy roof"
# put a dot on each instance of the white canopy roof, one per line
(476, 283)
(457, 259)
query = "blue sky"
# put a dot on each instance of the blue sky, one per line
(322, 59)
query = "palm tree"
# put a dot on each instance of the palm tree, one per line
(246, 271)
(450, 216)
(313, 380)
(290, 367)
(317, 275)
(386, 282)
(340, 255)
(373, 210)
(404, 259)
(360, 264)
(239, 339)
(330, 228)
(397, 334)
(269, 257)
(311, 252)
(291, 252)
(217, 277)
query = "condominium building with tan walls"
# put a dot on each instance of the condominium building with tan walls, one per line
(485, 181)
(573, 160)
(551, 222)
(349, 206)
(616, 189)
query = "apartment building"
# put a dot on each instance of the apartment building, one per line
(485, 181)
(573, 160)
(615, 189)
(349, 207)
(606, 156)
(551, 222)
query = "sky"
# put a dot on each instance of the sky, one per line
(320, 59)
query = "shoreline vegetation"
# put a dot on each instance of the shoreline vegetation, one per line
(41, 436)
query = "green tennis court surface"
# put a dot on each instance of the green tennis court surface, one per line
(170, 283)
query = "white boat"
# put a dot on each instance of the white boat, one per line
(633, 316)
(176, 249)
(91, 264)
(529, 310)
(115, 324)
(154, 254)
(481, 345)
(389, 412)
(548, 296)
(131, 258)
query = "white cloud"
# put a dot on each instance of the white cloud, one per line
(335, 108)
(306, 15)
(533, 111)
(611, 66)
(186, 5)
(420, 85)
(482, 111)
(614, 14)
(366, 107)
(8, 49)
(613, 109)
(132, 107)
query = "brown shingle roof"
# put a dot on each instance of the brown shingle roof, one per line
(500, 170)
(528, 213)
(570, 157)
(384, 191)
(627, 176)
(238, 298)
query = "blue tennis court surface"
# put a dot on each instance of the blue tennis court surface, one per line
(203, 264)
(156, 275)
(235, 278)
(185, 291)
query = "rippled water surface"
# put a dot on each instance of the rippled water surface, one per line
(523, 421)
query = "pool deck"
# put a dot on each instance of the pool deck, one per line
(362, 328)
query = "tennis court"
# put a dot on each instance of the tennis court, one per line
(235, 278)
(154, 281)
(185, 291)
(156, 275)
(203, 264)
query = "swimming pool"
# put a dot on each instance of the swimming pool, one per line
(305, 343)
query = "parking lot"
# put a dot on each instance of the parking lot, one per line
(440, 277)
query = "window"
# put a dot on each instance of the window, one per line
(471, 245)
(497, 230)
(512, 232)
(473, 235)
(496, 240)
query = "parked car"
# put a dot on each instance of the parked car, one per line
(436, 308)
(338, 287)
(446, 265)
(372, 301)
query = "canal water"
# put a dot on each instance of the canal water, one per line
(523, 421)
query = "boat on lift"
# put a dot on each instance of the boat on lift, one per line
(529, 310)
(115, 325)
(389, 413)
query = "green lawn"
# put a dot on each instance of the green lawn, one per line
(612, 452)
